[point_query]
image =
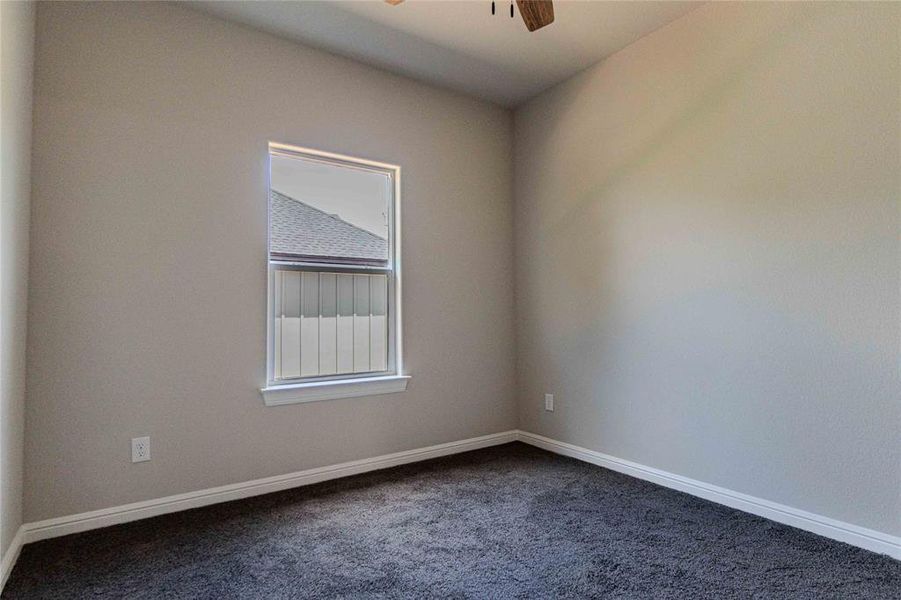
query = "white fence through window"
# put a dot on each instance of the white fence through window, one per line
(330, 323)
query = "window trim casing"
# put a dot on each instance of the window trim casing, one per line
(312, 389)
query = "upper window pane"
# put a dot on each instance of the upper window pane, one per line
(323, 212)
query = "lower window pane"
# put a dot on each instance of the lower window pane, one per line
(330, 323)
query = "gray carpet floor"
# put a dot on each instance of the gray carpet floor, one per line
(505, 522)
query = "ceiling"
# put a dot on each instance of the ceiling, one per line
(458, 44)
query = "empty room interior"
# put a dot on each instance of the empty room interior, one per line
(450, 299)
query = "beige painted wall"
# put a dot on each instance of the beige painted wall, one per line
(707, 268)
(16, 64)
(707, 255)
(148, 279)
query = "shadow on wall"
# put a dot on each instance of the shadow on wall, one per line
(587, 228)
(651, 262)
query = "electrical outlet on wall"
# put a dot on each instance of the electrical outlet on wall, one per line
(140, 449)
(549, 402)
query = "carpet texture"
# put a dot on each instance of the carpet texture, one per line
(505, 522)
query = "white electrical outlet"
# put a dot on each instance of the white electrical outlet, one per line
(140, 449)
(549, 402)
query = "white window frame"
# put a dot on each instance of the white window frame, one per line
(312, 389)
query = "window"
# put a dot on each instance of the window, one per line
(334, 277)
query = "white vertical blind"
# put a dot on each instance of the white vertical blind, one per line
(289, 348)
(309, 324)
(330, 323)
(361, 324)
(345, 357)
(378, 323)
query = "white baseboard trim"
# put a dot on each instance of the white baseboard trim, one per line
(96, 519)
(869, 539)
(844, 532)
(10, 557)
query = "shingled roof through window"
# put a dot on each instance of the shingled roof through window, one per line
(299, 231)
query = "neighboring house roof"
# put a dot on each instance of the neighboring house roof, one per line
(299, 231)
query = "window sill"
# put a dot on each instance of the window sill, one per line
(314, 391)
